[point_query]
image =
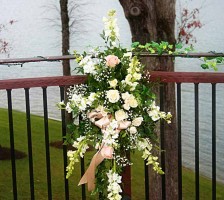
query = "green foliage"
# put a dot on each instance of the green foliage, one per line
(212, 62)
(161, 48)
(175, 50)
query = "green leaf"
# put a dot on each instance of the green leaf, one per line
(179, 46)
(205, 66)
(135, 44)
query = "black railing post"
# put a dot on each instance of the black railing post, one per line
(213, 141)
(179, 141)
(47, 148)
(28, 125)
(63, 127)
(146, 181)
(162, 144)
(82, 173)
(197, 192)
(11, 130)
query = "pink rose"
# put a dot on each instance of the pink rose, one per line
(107, 152)
(112, 61)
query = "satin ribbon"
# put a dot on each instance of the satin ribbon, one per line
(89, 176)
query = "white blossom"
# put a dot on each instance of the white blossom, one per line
(113, 96)
(114, 188)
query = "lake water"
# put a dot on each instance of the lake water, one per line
(37, 33)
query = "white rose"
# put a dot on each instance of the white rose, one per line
(113, 83)
(133, 130)
(113, 96)
(120, 115)
(132, 102)
(126, 106)
(125, 95)
(137, 121)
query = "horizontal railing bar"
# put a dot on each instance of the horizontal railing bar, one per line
(166, 77)
(187, 77)
(41, 82)
(143, 54)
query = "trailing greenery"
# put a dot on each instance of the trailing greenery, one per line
(166, 48)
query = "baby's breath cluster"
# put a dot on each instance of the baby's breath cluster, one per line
(122, 161)
(118, 112)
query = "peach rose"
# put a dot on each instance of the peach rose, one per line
(112, 61)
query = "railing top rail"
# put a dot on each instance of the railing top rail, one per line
(69, 57)
(187, 77)
(156, 76)
(41, 82)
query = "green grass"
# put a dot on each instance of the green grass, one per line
(56, 159)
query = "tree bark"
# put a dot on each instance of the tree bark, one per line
(65, 47)
(153, 20)
(65, 36)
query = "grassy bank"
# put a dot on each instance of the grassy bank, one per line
(39, 161)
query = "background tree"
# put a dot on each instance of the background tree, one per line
(152, 20)
(65, 36)
(4, 44)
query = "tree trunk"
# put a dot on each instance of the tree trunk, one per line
(153, 20)
(65, 47)
(65, 35)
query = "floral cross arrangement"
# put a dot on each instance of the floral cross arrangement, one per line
(117, 110)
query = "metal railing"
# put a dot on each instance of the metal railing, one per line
(179, 78)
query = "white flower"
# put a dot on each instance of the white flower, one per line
(113, 83)
(137, 76)
(125, 95)
(126, 106)
(88, 65)
(81, 144)
(113, 96)
(91, 98)
(133, 86)
(132, 101)
(113, 187)
(120, 115)
(154, 114)
(110, 134)
(133, 130)
(68, 107)
(137, 121)
(128, 54)
(111, 30)
(128, 79)
(76, 98)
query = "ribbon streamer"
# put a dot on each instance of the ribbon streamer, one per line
(89, 176)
